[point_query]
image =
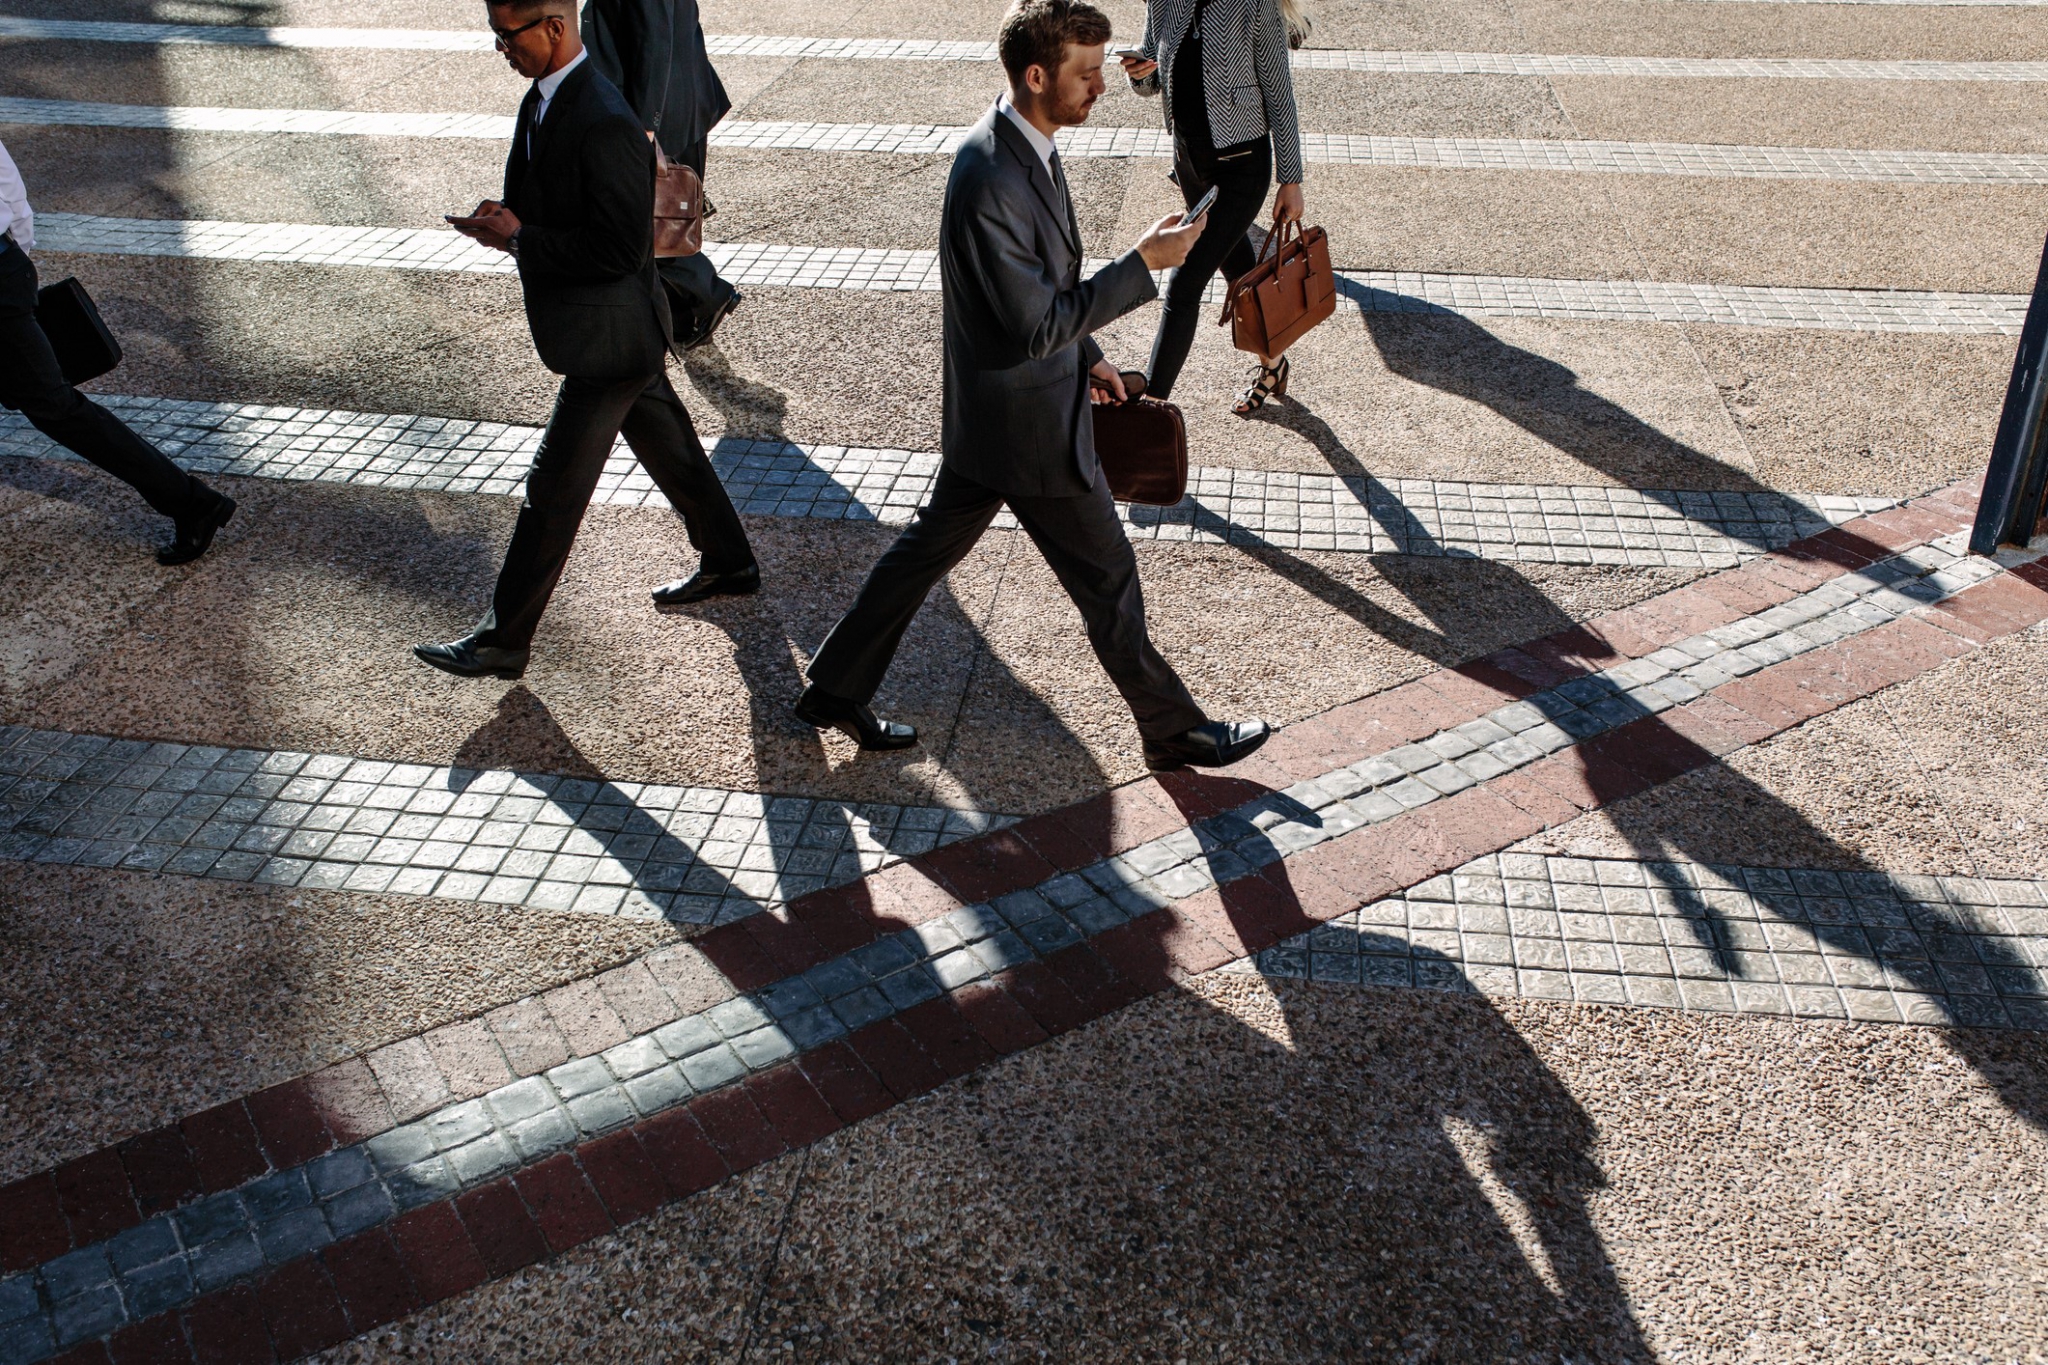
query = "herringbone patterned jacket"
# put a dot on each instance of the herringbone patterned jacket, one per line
(1245, 77)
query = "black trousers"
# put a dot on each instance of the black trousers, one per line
(1242, 175)
(1088, 551)
(589, 415)
(695, 289)
(32, 384)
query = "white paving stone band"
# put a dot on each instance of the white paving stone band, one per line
(769, 265)
(697, 855)
(1813, 943)
(1494, 154)
(957, 50)
(1554, 524)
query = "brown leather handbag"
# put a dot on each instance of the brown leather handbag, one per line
(1143, 445)
(1291, 289)
(678, 208)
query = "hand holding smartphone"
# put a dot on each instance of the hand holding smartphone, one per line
(1201, 207)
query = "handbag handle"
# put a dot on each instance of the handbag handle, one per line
(1274, 241)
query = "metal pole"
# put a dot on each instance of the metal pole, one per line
(2017, 478)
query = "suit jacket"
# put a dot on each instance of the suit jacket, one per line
(1017, 320)
(653, 50)
(1247, 83)
(585, 200)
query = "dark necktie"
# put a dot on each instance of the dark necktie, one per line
(529, 114)
(1059, 184)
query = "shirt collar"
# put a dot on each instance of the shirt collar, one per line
(1040, 143)
(549, 84)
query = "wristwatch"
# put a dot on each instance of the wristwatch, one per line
(512, 242)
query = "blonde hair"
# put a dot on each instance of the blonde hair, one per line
(1294, 13)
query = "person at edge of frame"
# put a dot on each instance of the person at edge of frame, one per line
(653, 51)
(33, 384)
(1016, 425)
(578, 219)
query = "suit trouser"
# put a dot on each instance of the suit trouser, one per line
(589, 415)
(1242, 175)
(32, 383)
(695, 290)
(1080, 538)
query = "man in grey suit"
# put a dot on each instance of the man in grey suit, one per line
(1016, 423)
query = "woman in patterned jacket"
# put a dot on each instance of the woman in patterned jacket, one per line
(1229, 103)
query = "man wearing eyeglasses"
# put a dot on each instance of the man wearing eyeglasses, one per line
(578, 217)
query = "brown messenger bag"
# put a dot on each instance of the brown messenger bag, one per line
(1143, 446)
(1291, 289)
(678, 208)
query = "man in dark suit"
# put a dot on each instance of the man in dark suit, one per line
(32, 382)
(578, 217)
(1016, 425)
(653, 50)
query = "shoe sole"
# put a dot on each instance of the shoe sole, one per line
(732, 305)
(1177, 764)
(508, 674)
(847, 729)
(705, 596)
(225, 518)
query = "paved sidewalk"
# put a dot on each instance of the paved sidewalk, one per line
(1632, 945)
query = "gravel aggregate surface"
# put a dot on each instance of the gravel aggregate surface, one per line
(1293, 1172)
(1942, 116)
(131, 1000)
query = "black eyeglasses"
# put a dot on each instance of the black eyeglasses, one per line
(506, 35)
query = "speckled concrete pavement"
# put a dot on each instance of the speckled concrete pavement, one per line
(251, 1121)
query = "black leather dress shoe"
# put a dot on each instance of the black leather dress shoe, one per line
(702, 336)
(465, 658)
(852, 719)
(701, 585)
(1218, 744)
(193, 537)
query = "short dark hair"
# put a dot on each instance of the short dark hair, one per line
(534, 9)
(1036, 33)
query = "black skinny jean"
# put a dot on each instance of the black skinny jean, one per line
(1242, 175)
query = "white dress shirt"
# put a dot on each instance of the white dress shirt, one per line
(548, 85)
(1040, 143)
(16, 219)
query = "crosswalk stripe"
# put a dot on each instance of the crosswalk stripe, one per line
(1551, 524)
(1426, 153)
(773, 265)
(1368, 62)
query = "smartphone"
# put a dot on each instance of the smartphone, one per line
(1201, 207)
(1136, 54)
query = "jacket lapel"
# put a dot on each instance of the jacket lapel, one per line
(564, 93)
(517, 162)
(1034, 171)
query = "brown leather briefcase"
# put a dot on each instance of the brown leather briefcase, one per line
(678, 208)
(1291, 289)
(1143, 445)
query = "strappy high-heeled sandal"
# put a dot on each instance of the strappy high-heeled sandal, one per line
(1271, 383)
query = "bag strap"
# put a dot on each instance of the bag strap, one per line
(1273, 243)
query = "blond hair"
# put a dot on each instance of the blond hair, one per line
(1294, 13)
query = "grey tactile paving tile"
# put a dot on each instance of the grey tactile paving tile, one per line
(707, 856)
(953, 50)
(769, 265)
(1560, 524)
(1869, 946)
(1491, 154)
(527, 841)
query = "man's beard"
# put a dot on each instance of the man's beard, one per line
(1072, 115)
